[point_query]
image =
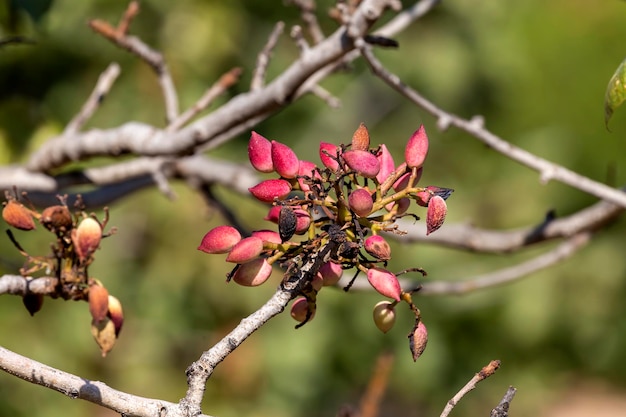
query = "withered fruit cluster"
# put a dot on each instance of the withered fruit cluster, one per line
(341, 209)
(77, 237)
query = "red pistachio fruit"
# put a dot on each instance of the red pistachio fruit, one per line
(363, 162)
(378, 247)
(253, 273)
(98, 302)
(285, 160)
(361, 202)
(272, 214)
(220, 240)
(328, 155)
(418, 339)
(361, 139)
(384, 316)
(401, 206)
(260, 153)
(303, 221)
(18, 216)
(306, 169)
(268, 190)
(116, 314)
(300, 309)
(387, 166)
(435, 214)
(416, 148)
(245, 250)
(87, 237)
(384, 282)
(330, 273)
(269, 236)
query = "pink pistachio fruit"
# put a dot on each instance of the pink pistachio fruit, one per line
(361, 139)
(384, 316)
(272, 214)
(361, 202)
(300, 309)
(260, 153)
(330, 273)
(328, 155)
(401, 206)
(384, 282)
(418, 340)
(435, 214)
(306, 169)
(387, 166)
(269, 236)
(245, 250)
(303, 220)
(378, 247)
(220, 240)
(285, 160)
(416, 148)
(253, 273)
(269, 190)
(363, 162)
(116, 314)
(86, 237)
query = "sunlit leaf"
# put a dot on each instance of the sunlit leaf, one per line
(615, 92)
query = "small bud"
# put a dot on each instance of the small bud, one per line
(260, 153)
(86, 238)
(435, 214)
(384, 316)
(363, 162)
(56, 218)
(245, 250)
(253, 273)
(384, 282)
(287, 222)
(387, 166)
(220, 239)
(285, 160)
(328, 155)
(269, 236)
(104, 334)
(116, 314)
(378, 247)
(361, 202)
(32, 302)
(418, 339)
(416, 149)
(98, 302)
(269, 190)
(331, 273)
(361, 139)
(18, 216)
(300, 310)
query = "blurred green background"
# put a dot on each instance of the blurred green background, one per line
(536, 70)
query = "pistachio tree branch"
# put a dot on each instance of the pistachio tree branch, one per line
(484, 373)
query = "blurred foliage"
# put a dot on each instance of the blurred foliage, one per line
(536, 70)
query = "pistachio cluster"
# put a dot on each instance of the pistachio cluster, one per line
(341, 209)
(77, 237)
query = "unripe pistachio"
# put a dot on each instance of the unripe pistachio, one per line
(363, 162)
(18, 216)
(220, 239)
(56, 218)
(260, 153)
(384, 316)
(116, 314)
(331, 273)
(387, 166)
(300, 310)
(269, 236)
(418, 339)
(361, 138)
(87, 237)
(378, 247)
(253, 273)
(98, 302)
(269, 190)
(361, 202)
(416, 148)
(285, 160)
(245, 250)
(328, 155)
(384, 282)
(435, 214)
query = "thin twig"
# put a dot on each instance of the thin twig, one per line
(224, 83)
(307, 13)
(475, 127)
(373, 395)
(502, 409)
(263, 59)
(97, 96)
(484, 373)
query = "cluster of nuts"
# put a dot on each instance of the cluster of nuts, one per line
(341, 209)
(78, 236)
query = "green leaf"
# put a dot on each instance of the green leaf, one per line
(615, 92)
